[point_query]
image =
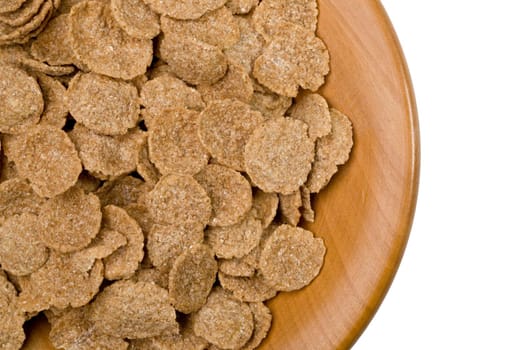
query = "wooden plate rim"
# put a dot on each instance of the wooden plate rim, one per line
(387, 277)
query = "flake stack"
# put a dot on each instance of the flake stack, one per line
(21, 20)
(157, 157)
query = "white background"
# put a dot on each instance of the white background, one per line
(461, 284)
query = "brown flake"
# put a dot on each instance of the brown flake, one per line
(21, 251)
(108, 156)
(229, 191)
(224, 129)
(21, 100)
(174, 145)
(294, 57)
(100, 43)
(192, 278)
(224, 321)
(235, 241)
(291, 258)
(331, 150)
(179, 200)
(279, 154)
(68, 222)
(125, 260)
(133, 310)
(102, 104)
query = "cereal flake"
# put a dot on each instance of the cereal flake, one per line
(264, 207)
(192, 60)
(313, 109)
(289, 207)
(123, 191)
(174, 145)
(100, 43)
(291, 258)
(140, 213)
(23, 33)
(236, 84)
(128, 309)
(16, 55)
(103, 245)
(136, 18)
(217, 28)
(184, 9)
(279, 154)
(248, 47)
(125, 260)
(21, 100)
(68, 222)
(235, 241)
(145, 168)
(179, 200)
(224, 129)
(23, 14)
(61, 282)
(55, 105)
(166, 91)
(72, 330)
(17, 197)
(295, 57)
(102, 104)
(21, 251)
(186, 340)
(10, 5)
(12, 334)
(249, 289)
(271, 14)
(108, 156)
(48, 159)
(53, 45)
(224, 321)
(241, 7)
(191, 278)
(307, 211)
(331, 150)
(239, 267)
(270, 104)
(262, 318)
(167, 242)
(229, 191)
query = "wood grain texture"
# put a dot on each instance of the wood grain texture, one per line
(366, 213)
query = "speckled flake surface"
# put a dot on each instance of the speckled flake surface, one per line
(174, 145)
(21, 100)
(331, 150)
(278, 155)
(294, 58)
(180, 200)
(229, 191)
(191, 278)
(224, 321)
(103, 46)
(128, 309)
(224, 129)
(70, 221)
(291, 258)
(102, 104)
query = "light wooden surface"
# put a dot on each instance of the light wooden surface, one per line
(365, 214)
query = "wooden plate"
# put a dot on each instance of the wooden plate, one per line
(365, 214)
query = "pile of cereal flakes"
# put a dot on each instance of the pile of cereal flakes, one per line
(157, 157)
